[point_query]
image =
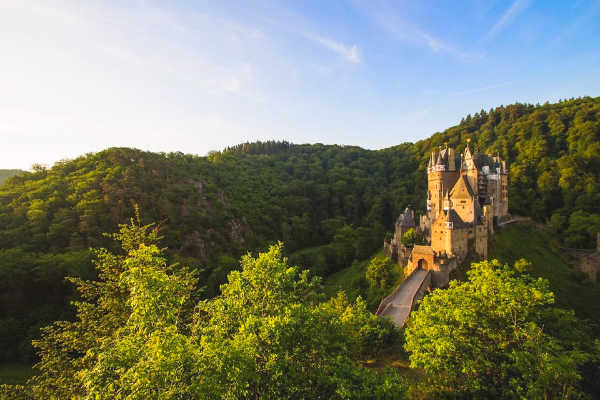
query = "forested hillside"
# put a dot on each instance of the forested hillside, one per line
(7, 173)
(328, 204)
(210, 210)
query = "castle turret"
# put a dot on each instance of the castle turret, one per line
(441, 176)
(451, 160)
(470, 170)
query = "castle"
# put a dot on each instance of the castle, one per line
(467, 195)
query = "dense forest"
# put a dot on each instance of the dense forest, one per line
(328, 204)
(141, 332)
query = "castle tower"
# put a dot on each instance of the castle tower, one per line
(451, 160)
(441, 177)
(470, 170)
(435, 192)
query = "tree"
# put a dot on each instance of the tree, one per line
(582, 230)
(149, 356)
(68, 349)
(379, 273)
(411, 237)
(344, 245)
(268, 336)
(497, 336)
(522, 265)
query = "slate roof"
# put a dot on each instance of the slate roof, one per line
(406, 219)
(444, 155)
(482, 160)
(457, 222)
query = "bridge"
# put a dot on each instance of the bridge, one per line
(403, 299)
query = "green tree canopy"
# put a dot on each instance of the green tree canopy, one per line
(107, 306)
(411, 237)
(498, 336)
(268, 335)
(379, 273)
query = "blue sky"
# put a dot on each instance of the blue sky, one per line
(194, 76)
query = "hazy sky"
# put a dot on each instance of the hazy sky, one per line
(193, 76)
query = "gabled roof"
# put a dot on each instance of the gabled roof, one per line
(462, 189)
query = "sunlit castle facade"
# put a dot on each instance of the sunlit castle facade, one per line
(467, 194)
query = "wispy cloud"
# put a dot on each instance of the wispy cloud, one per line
(435, 44)
(406, 32)
(388, 20)
(297, 25)
(349, 52)
(516, 8)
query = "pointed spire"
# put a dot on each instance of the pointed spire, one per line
(451, 159)
(468, 154)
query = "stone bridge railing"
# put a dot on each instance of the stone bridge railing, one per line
(386, 301)
(420, 293)
(411, 302)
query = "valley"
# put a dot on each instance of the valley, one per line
(330, 205)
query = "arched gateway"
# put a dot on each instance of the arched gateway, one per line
(422, 257)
